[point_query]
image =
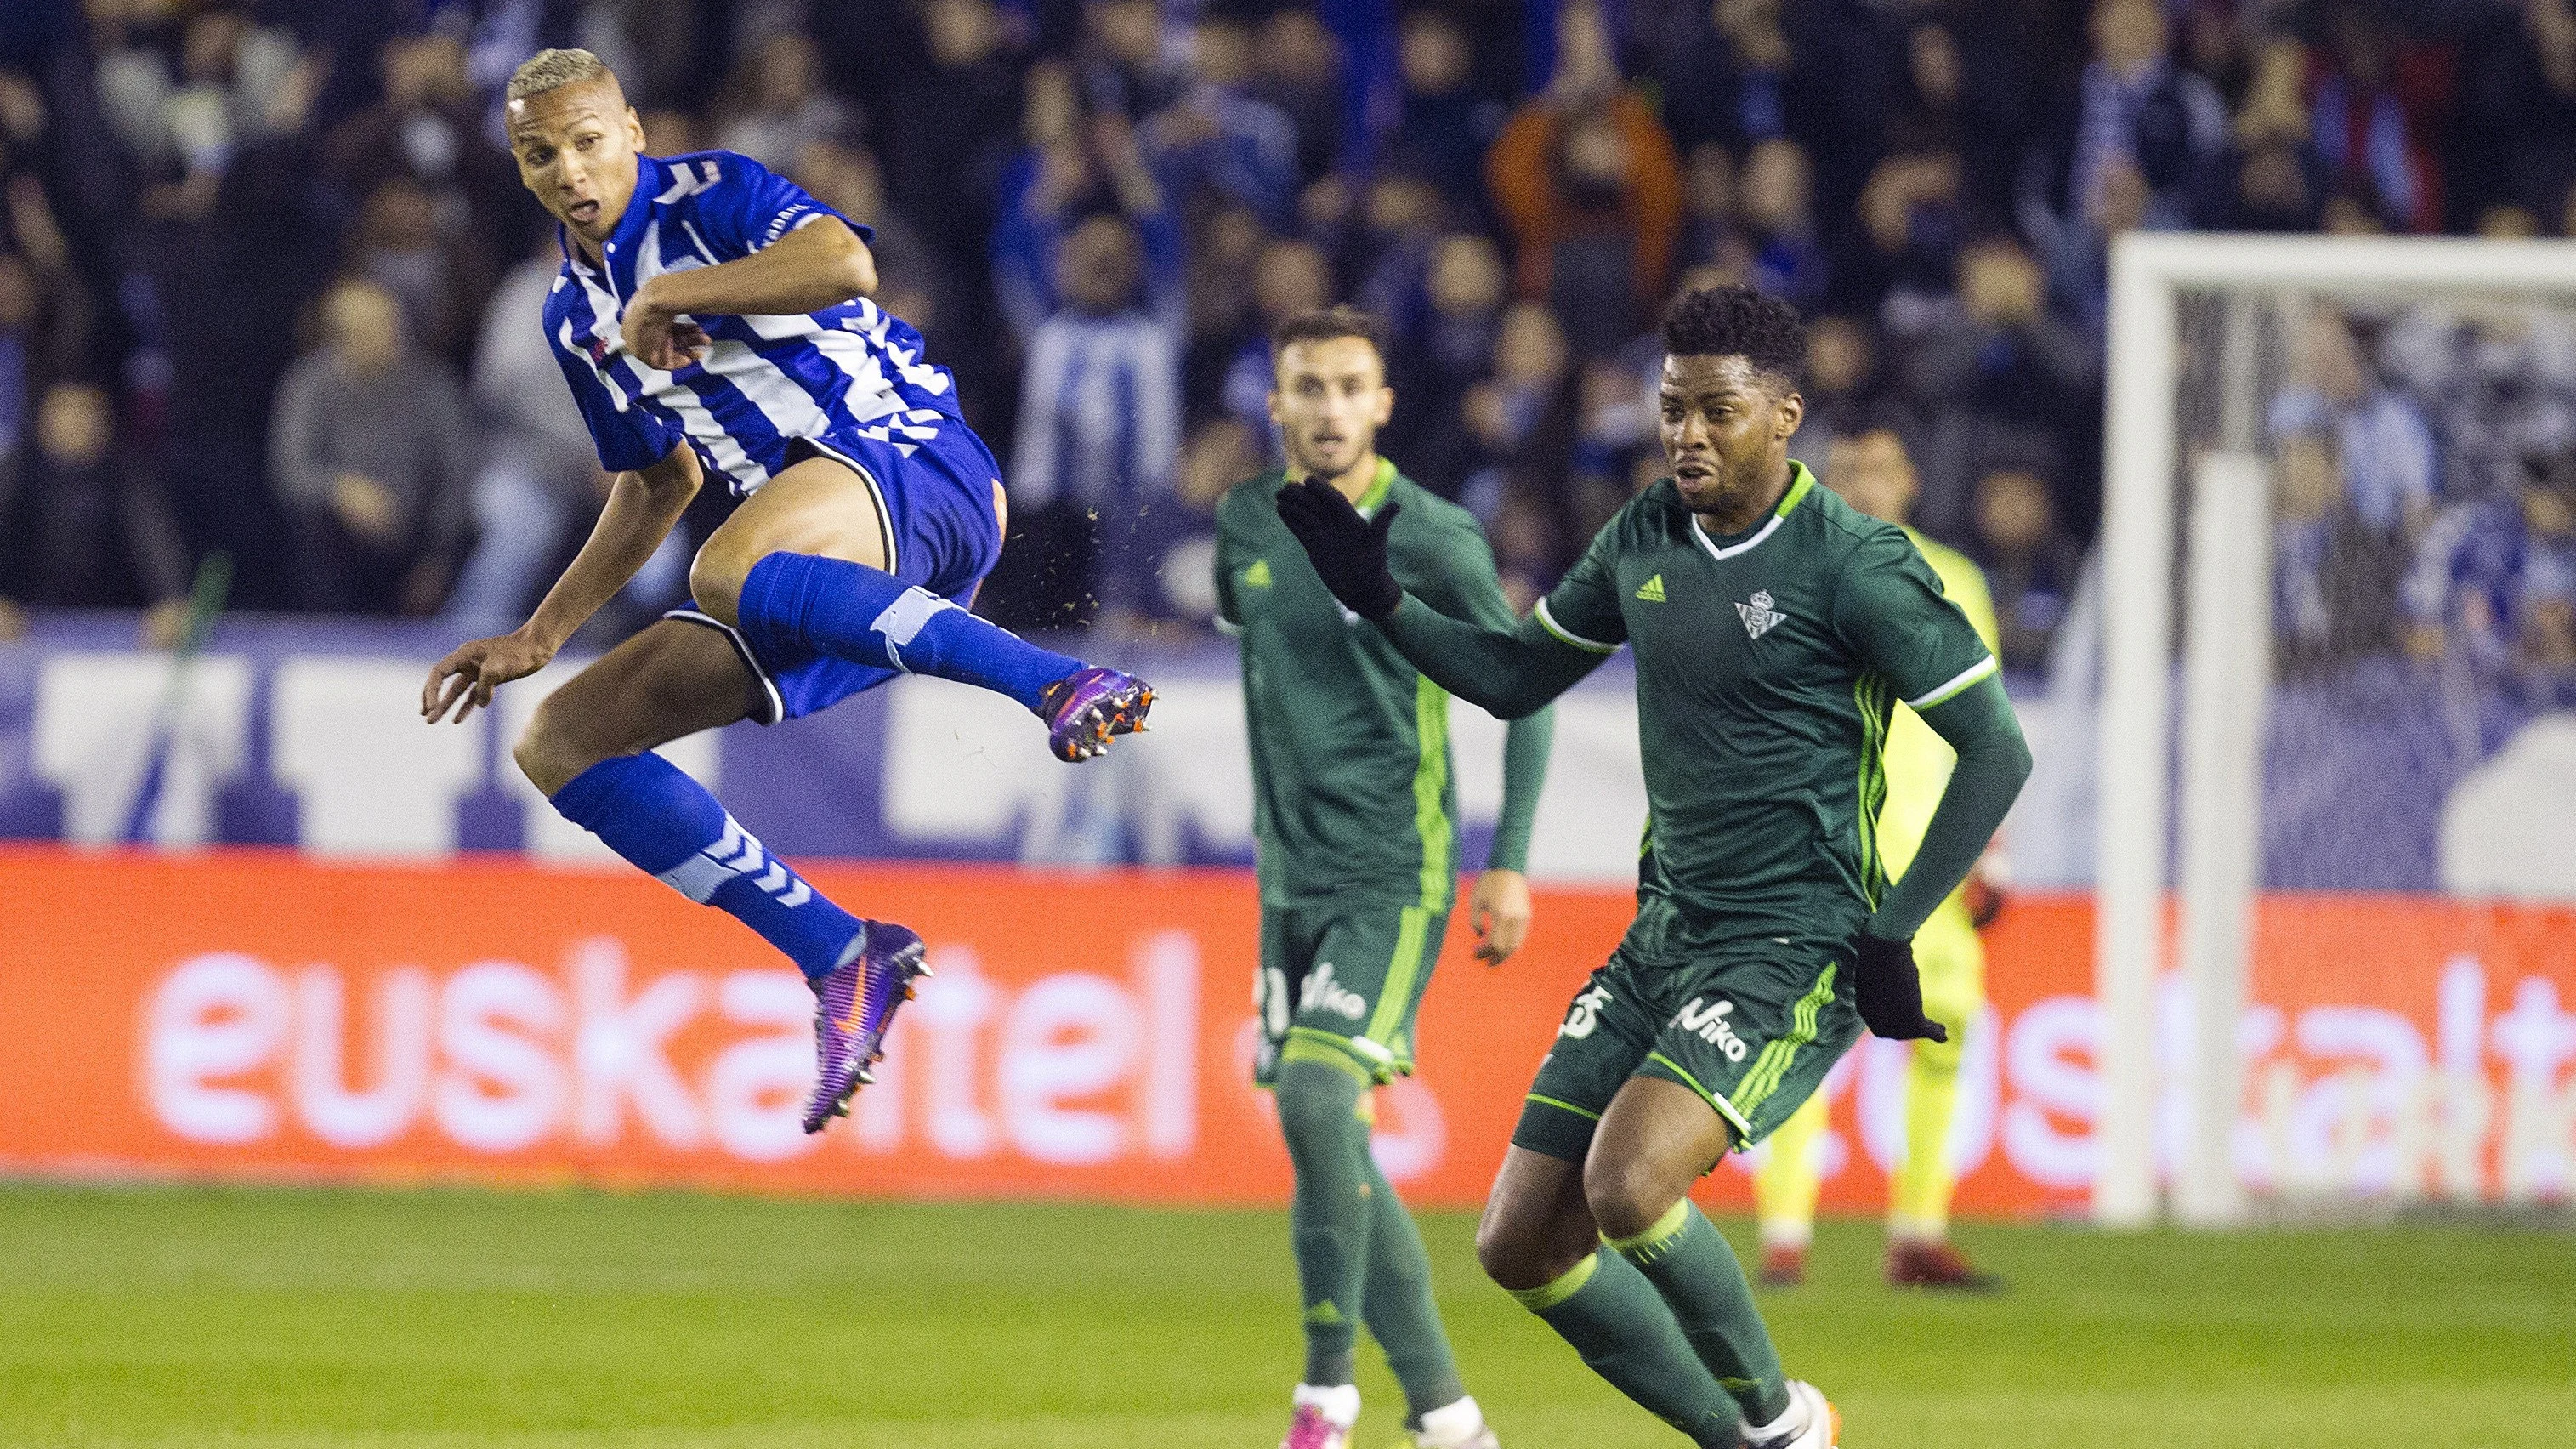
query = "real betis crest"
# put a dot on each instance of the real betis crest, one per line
(1758, 614)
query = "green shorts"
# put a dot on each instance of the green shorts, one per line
(1752, 1028)
(1340, 983)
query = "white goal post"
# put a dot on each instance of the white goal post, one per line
(2225, 670)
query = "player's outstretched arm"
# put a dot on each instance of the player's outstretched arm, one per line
(1509, 673)
(1994, 760)
(642, 509)
(820, 264)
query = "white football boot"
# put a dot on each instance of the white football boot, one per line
(1820, 1425)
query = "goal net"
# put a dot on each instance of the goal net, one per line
(2337, 729)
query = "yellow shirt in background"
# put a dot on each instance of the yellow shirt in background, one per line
(1919, 761)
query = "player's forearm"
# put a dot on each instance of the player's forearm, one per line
(820, 264)
(1508, 673)
(642, 509)
(1525, 746)
(1993, 763)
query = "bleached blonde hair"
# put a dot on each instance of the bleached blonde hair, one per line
(552, 69)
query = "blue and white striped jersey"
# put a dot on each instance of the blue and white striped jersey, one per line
(848, 372)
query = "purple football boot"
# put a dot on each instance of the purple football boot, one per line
(1085, 708)
(853, 1006)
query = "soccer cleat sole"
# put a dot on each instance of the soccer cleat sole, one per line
(915, 970)
(1119, 713)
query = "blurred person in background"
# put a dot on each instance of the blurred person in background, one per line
(911, 281)
(781, 106)
(1073, 166)
(1588, 184)
(2375, 102)
(1843, 394)
(2134, 108)
(1215, 138)
(2387, 449)
(538, 481)
(1291, 277)
(2031, 566)
(1220, 453)
(1297, 67)
(1993, 367)
(1100, 422)
(951, 127)
(1872, 473)
(1443, 122)
(83, 528)
(371, 454)
(1445, 355)
(1520, 418)
(441, 276)
(2493, 586)
(1776, 201)
(1122, 66)
(183, 114)
(1913, 222)
(2334, 579)
(428, 130)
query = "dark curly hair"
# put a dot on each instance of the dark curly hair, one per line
(1739, 322)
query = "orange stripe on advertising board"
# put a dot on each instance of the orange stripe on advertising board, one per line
(255, 1015)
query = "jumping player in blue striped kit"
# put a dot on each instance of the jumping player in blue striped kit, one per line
(711, 319)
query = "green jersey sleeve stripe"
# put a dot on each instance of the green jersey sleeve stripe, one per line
(1564, 635)
(1431, 792)
(1966, 677)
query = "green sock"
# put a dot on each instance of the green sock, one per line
(1616, 1321)
(1401, 1314)
(1329, 1220)
(1688, 1261)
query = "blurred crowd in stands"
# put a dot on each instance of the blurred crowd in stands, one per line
(268, 285)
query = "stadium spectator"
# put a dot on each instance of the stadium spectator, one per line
(2135, 108)
(911, 282)
(1519, 419)
(1437, 362)
(2494, 583)
(2334, 578)
(369, 455)
(1777, 205)
(1842, 388)
(538, 480)
(428, 130)
(1216, 137)
(1289, 277)
(2380, 434)
(1992, 369)
(1913, 221)
(1073, 167)
(1100, 417)
(441, 275)
(83, 526)
(1122, 66)
(1591, 189)
(2515, 141)
(184, 118)
(2030, 564)
(2373, 102)
(1297, 67)
(1443, 125)
(784, 107)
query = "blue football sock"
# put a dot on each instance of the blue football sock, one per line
(669, 826)
(794, 601)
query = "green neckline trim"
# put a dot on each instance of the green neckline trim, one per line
(1800, 481)
(1381, 484)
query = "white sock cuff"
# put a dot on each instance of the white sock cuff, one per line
(1338, 1402)
(1451, 1424)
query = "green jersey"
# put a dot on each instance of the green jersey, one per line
(1352, 794)
(1767, 667)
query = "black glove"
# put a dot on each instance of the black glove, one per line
(1891, 993)
(1347, 550)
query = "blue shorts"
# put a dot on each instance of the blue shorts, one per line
(937, 503)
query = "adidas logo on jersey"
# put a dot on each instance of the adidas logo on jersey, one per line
(1758, 615)
(1709, 1023)
(1257, 576)
(1323, 993)
(1652, 590)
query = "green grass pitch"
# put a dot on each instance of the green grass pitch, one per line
(456, 1320)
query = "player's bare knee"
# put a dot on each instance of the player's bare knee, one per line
(715, 582)
(1628, 1195)
(550, 751)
